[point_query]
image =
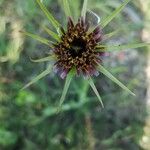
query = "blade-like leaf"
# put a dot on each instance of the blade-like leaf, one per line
(49, 58)
(52, 34)
(66, 87)
(84, 8)
(119, 47)
(36, 37)
(111, 34)
(110, 76)
(113, 14)
(43, 74)
(67, 8)
(95, 90)
(50, 17)
(76, 9)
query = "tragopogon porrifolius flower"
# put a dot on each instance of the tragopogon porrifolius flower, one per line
(77, 49)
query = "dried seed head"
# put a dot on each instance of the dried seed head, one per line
(77, 48)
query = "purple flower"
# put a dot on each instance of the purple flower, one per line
(77, 48)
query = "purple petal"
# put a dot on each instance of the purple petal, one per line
(97, 30)
(70, 23)
(63, 74)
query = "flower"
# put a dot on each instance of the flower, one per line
(78, 50)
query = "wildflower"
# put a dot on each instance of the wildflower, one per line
(78, 49)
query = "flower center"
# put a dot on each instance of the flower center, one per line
(78, 46)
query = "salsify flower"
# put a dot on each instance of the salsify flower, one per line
(78, 50)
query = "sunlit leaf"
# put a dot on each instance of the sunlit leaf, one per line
(110, 76)
(110, 48)
(95, 90)
(67, 8)
(49, 58)
(66, 87)
(43, 74)
(52, 34)
(113, 14)
(36, 37)
(84, 8)
(50, 17)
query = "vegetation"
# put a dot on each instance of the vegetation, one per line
(29, 118)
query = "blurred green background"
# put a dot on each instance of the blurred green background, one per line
(28, 119)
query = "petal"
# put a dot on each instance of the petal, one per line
(64, 73)
(70, 23)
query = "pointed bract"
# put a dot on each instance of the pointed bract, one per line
(110, 48)
(38, 38)
(67, 8)
(43, 74)
(66, 87)
(52, 34)
(110, 76)
(95, 90)
(50, 17)
(113, 14)
(49, 58)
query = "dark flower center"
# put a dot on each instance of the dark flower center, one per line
(78, 49)
(78, 46)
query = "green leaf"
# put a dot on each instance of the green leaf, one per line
(66, 87)
(48, 15)
(111, 34)
(76, 10)
(67, 8)
(38, 38)
(110, 76)
(95, 90)
(43, 74)
(113, 14)
(52, 34)
(49, 58)
(110, 48)
(84, 8)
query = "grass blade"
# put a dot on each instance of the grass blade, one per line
(67, 8)
(52, 34)
(119, 47)
(50, 17)
(36, 37)
(84, 8)
(113, 14)
(66, 87)
(110, 76)
(49, 58)
(95, 90)
(43, 74)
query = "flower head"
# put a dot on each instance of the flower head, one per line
(77, 48)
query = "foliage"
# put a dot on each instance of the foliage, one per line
(29, 119)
